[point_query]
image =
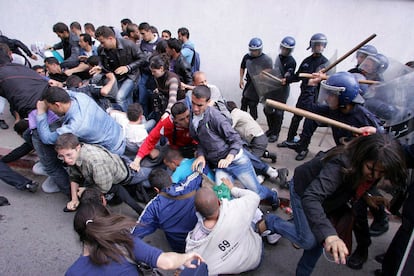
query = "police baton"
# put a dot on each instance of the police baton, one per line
(371, 37)
(313, 116)
(310, 76)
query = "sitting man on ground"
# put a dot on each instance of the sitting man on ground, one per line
(224, 234)
(93, 165)
(221, 146)
(172, 210)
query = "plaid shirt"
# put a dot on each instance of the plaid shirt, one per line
(97, 166)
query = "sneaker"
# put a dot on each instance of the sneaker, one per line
(32, 186)
(49, 186)
(273, 238)
(39, 169)
(282, 177)
(378, 228)
(3, 124)
(272, 172)
(261, 179)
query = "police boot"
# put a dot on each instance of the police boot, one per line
(358, 258)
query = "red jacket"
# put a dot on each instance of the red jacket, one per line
(165, 127)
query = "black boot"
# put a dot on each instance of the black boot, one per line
(358, 258)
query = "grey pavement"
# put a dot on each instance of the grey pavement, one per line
(37, 238)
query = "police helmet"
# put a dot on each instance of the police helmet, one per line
(367, 50)
(318, 38)
(345, 86)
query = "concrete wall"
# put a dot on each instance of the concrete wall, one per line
(221, 29)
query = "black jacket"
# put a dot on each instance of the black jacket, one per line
(183, 70)
(127, 54)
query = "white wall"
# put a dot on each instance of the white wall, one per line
(221, 29)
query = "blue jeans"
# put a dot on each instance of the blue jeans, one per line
(143, 93)
(259, 166)
(53, 166)
(124, 95)
(241, 169)
(298, 232)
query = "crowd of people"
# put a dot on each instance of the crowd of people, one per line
(127, 116)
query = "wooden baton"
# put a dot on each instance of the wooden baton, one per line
(267, 74)
(371, 37)
(310, 76)
(312, 116)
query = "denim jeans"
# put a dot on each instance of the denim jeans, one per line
(53, 166)
(241, 169)
(298, 232)
(259, 166)
(124, 95)
(143, 93)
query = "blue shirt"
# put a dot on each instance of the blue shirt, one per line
(184, 170)
(143, 253)
(85, 119)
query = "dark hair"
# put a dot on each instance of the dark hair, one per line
(161, 47)
(134, 112)
(93, 60)
(106, 235)
(131, 28)
(184, 32)
(378, 148)
(73, 81)
(175, 44)
(51, 60)
(144, 26)
(154, 30)
(35, 67)
(91, 195)
(89, 26)
(4, 53)
(202, 92)
(172, 154)
(105, 32)
(229, 104)
(126, 21)
(160, 60)
(60, 27)
(87, 38)
(159, 178)
(66, 141)
(55, 94)
(76, 25)
(167, 31)
(178, 108)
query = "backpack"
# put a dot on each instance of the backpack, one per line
(195, 61)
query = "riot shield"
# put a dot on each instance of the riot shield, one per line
(392, 101)
(269, 87)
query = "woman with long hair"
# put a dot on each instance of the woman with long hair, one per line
(110, 249)
(168, 85)
(324, 189)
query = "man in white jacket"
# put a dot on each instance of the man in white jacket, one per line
(224, 233)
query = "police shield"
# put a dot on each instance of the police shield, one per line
(269, 86)
(254, 68)
(392, 102)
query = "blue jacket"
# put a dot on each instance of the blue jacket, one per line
(176, 217)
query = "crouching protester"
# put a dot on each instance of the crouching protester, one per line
(93, 165)
(110, 249)
(323, 192)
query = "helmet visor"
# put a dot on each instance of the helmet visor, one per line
(329, 95)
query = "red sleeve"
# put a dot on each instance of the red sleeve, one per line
(154, 136)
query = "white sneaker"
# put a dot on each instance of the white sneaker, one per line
(272, 172)
(39, 169)
(273, 238)
(260, 178)
(49, 186)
